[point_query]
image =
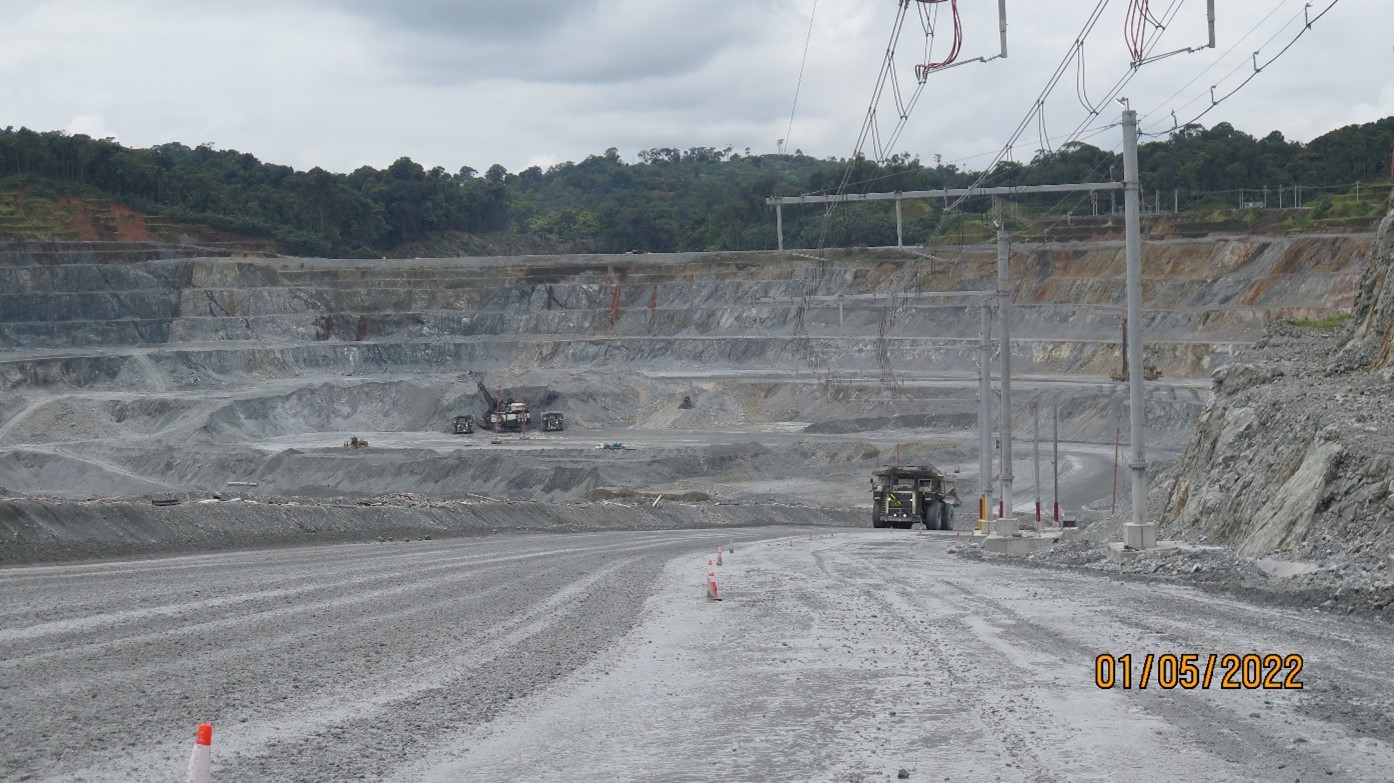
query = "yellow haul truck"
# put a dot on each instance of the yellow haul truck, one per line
(905, 494)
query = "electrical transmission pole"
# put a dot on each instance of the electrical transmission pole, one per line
(985, 416)
(1138, 534)
(1005, 423)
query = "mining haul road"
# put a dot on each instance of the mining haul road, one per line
(835, 655)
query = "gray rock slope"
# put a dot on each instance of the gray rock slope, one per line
(1294, 453)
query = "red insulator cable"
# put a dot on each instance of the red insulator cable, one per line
(922, 71)
(1135, 28)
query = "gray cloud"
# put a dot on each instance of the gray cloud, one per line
(470, 21)
(598, 42)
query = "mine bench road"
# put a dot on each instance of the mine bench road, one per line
(847, 655)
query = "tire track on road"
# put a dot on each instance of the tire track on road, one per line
(418, 647)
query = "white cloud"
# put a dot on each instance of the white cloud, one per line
(89, 124)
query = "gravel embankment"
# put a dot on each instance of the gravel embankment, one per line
(37, 531)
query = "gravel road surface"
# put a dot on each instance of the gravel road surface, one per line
(843, 657)
(855, 655)
(319, 663)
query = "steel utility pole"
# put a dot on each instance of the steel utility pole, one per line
(1055, 463)
(1138, 534)
(1036, 453)
(899, 226)
(1005, 422)
(985, 416)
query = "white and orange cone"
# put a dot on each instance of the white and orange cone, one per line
(201, 761)
(718, 554)
(711, 586)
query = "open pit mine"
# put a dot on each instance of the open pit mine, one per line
(188, 379)
(243, 490)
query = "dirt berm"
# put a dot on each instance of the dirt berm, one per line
(35, 531)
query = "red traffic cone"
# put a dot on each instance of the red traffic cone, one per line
(201, 762)
(711, 587)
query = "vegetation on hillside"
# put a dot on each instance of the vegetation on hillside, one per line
(701, 198)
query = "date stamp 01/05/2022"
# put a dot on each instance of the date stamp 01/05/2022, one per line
(1230, 671)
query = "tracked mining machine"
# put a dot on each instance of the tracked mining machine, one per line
(904, 495)
(503, 415)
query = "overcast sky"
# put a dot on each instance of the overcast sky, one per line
(343, 83)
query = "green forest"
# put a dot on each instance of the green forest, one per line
(697, 199)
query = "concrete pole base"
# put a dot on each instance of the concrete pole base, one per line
(1017, 545)
(1139, 536)
(1005, 527)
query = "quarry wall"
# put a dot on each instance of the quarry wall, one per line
(87, 320)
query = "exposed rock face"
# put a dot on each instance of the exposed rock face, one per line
(1294, 453)
(1370, 342)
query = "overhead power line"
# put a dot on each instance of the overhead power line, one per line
(888, 84)
(1221, 58)
(788, 132)
(1308, 21)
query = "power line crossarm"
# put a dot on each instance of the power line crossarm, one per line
(1007, 190)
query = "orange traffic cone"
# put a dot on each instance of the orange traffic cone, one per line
(718, 554)
(711, 587)
(201, 762)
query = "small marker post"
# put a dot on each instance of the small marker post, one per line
(201, 761)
